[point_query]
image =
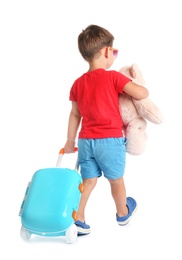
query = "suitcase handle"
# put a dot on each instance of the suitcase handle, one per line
(62, 150)
(60, 157)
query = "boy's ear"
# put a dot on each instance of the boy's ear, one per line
(105, 51)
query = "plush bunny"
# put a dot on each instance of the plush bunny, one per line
(135, 113)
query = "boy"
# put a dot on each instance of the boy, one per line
(101, 141)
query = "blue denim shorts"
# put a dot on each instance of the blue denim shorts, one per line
(105, 156)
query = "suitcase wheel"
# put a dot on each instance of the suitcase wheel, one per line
(24, 233)
(81, 187)
(71, 234)
(75, 215)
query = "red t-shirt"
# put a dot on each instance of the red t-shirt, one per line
(96, 93)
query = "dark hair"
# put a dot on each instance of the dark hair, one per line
(92, 39)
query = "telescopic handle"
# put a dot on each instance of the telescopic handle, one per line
(60, 157)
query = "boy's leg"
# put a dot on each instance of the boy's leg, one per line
(88, 186)
(125, 206)
(118, 191)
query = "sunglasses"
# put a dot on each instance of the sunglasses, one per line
(115, 52)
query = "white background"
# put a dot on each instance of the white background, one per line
(39, 60)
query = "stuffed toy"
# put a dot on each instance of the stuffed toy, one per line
(135, 114)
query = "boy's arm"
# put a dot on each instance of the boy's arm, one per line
(73, 124)
(135, 90)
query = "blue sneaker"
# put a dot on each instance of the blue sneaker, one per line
(132, 206)
(82, 228)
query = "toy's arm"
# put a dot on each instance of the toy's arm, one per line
(148, 110)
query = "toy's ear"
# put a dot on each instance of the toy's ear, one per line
(148, 110)
(134, 73)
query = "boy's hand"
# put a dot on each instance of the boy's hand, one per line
(69, 146)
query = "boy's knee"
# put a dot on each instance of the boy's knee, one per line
(115, 181)
(91, 182)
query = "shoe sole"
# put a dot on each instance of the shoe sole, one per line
(82, 231)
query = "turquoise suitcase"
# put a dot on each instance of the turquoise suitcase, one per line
(51, 201)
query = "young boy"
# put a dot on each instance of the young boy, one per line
(101, 141)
